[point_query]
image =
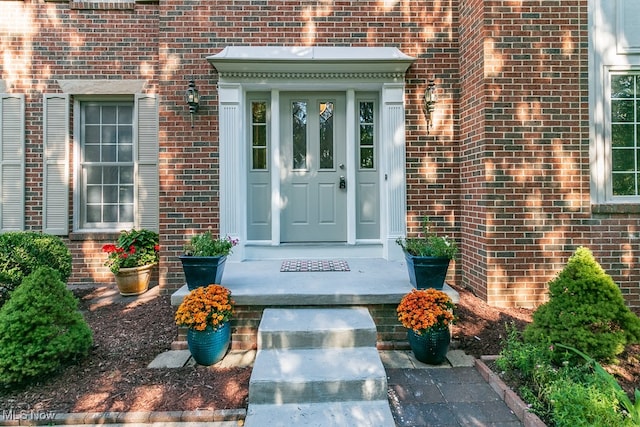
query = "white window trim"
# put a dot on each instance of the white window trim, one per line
(605, 58)
(77, 187)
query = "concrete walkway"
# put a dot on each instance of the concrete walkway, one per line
(454, 394)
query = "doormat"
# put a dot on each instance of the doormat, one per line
(302, 265)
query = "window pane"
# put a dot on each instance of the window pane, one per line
(299, 133)
(126, 175)
(92, 153)
(622, 135)
(110, 175)
(259, 158)
(126, 195)
(259, 112)
(624, 184)
(108, 134)
(125, 153)
(125, 114)
(366, 135)
(94, 213)
(625, 117)
(92, 134)
(126, 213)
(94, 194)
(92, 114)
(125, 134)
(110, 213)
(94, 174)
(259, 135)
(366, 112)
(326, 135)
(622, 86)
(109, 152)
(110, 194)
(366, 140)
(109, 114)
(366, 158)
(107, 142)
(623, 160)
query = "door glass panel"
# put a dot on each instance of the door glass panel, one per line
(366, 136)
(326, 135)
(259, 135)
(299, 132)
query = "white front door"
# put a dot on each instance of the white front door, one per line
(313, 168)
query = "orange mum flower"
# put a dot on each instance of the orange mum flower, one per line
(205, 306)
(423, 309)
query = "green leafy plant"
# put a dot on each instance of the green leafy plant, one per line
(41, 329)
(569, 393)
(206, 244)
(632, 409)
(586, 310)
(134, 248)
(22, 252)
(428, 244)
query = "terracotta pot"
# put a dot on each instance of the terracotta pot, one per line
(134, 280)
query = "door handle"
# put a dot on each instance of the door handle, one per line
(343, 183)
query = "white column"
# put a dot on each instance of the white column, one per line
(351, 165)
(232, 164)
(275, 167)
(394, 177)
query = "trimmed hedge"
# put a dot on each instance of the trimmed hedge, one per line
(22, 252)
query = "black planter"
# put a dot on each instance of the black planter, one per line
(430, 347)
(427, 271)
(202, 270)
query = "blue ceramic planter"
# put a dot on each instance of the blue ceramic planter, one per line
(209, 347)
(202, 270)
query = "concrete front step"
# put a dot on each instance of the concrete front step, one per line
(315, 328)
(329, 414)
(283, 376)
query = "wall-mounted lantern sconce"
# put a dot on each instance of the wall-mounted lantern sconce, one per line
(430, 99)
(193, 99)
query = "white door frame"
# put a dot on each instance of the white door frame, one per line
(275, 69)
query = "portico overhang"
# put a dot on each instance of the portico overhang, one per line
(310, 59)
(276, 69)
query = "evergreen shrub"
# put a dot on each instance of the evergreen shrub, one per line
(22, 252)
(41, 329)
(586, 310)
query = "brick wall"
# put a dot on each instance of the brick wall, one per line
(422, 29)
(244, 328)
(45, 42)
(504, 168)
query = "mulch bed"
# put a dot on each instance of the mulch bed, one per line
(129, 334)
